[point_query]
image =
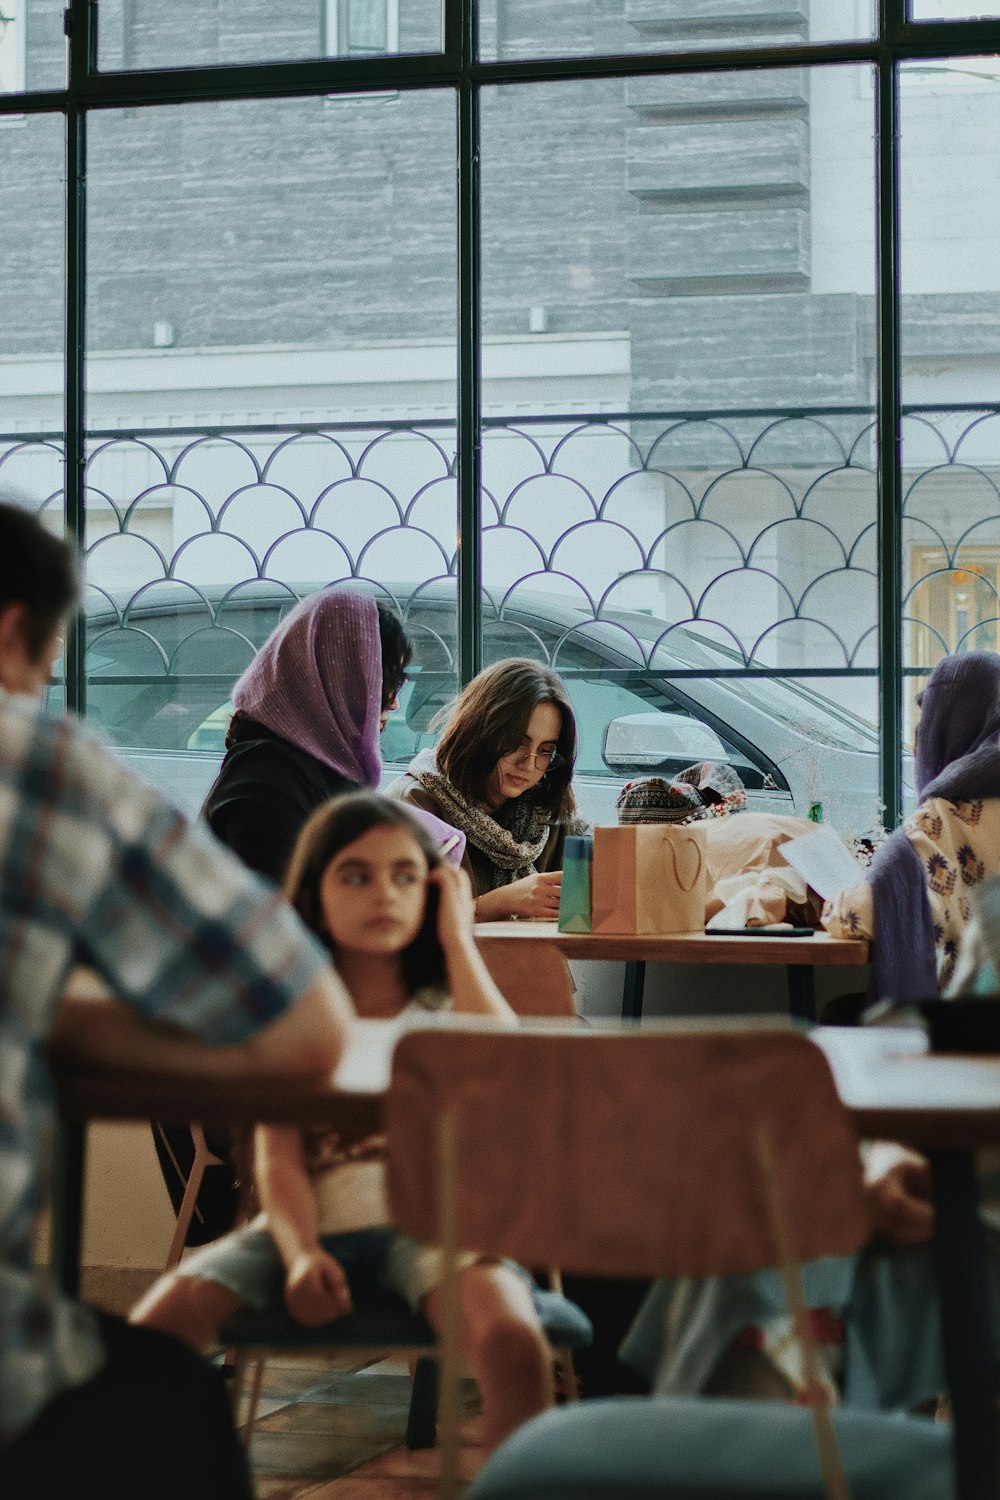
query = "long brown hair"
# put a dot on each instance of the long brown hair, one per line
(491, 718)
(331, 828)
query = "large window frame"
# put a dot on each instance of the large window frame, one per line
(898, 40)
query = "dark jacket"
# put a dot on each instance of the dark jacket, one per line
(264, 792)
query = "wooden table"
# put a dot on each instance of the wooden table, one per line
(351, 1102)
(944, 1105)
(801, 956)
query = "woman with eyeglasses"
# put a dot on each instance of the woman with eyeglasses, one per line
(502, 774)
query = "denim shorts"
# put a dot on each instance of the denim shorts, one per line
(375, 1261)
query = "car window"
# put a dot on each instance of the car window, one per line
(597, 703)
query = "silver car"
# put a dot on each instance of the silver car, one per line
(159, 678)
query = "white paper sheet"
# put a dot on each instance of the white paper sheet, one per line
(823, 862)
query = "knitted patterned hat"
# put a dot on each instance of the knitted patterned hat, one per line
(719, 786)
(654, 800)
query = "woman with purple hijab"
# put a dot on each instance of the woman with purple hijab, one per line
(309, 711)
(914, 905)
(882, 1307)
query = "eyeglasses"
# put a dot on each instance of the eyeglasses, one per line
(542, 760)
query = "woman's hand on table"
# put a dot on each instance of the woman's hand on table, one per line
(897, 1185)
(316, 1289)
(532, 896)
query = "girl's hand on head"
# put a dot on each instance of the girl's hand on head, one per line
(316, 1289)
(456, 908)
(535, 895)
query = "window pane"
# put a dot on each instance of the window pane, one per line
(271, 397)
(33, 183)
(579, 28)
(189, 33)
(32, 46)
(950, 207)
(364, 26)
(948, 10)
(680, 463)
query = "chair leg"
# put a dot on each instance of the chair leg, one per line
(238, 1364)
(421, 1422)
(202, 1158)
(566, 1375)
(185, 1214)
(253, 1399)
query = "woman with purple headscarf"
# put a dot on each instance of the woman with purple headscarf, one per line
(914, 905)
(309, 711)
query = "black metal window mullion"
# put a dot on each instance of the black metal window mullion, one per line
(470, 448)
(81, 19)
(889, 398)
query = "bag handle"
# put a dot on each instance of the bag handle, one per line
(674, 842)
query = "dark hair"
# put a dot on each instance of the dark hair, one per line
(37, 570)
(331, 828)
(397, 652)
(491, 717)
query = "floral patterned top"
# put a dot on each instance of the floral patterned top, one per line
(959, 845)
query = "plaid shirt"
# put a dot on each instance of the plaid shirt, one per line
(96, 868)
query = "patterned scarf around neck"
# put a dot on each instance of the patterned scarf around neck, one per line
(513, 850)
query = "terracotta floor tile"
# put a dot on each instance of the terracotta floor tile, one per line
(400, 1463)
(314, 1359)
(358, 1487)
(361, 1390)
(329, 1433)
(378, 1422)
(314, 1455)
(293, 1380)
(271, 1487)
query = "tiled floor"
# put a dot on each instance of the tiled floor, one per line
(330, 1430)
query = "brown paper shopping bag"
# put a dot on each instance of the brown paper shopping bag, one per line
(648, 878)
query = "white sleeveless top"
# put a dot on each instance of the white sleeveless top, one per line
(349, 1181)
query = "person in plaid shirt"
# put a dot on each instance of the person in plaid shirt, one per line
(96, 868)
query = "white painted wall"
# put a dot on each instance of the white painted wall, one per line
(128, 1220)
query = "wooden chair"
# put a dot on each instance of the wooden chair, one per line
(202, 1158)
(532, 976)
(672, 1153)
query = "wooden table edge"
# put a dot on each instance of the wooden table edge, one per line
(90, 1096)
(699, 947)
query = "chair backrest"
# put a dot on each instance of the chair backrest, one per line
(635, 1154)
(532, 976)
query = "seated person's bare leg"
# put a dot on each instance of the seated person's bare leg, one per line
(504, 1344)
(191, 1308)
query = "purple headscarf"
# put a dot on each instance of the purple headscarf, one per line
(958, 758)
(317, 682)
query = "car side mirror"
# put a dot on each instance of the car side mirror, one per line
(659, 741)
